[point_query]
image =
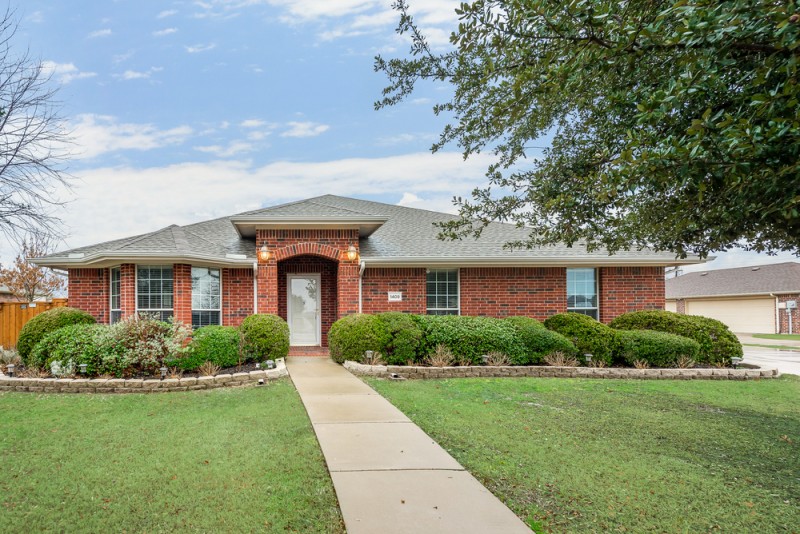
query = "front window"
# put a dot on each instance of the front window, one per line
(582, 291)
(442, 292)
(205, 297)
(116, 308)
(154, 290)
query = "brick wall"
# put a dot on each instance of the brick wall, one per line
(182, 293)
(783, 315)
(88, 290)
(625, 289)
(377, 283)
(328, 280)
(237, 295)
(537, 292)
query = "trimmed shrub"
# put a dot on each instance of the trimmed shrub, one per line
(77, 343)
(468, 338)
(659, 349)
(717, 343)
(350, 336)
(220, 345)
(266, 336)
(142, 344)
(586, 334)
(44, 323)
(539, 341)
(405, 338)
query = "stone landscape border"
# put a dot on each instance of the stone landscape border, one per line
(412, 372)
(140, 385)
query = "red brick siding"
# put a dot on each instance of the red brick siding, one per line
(626, 289)
(88, 290)
(237, 295)
(537, 292)
(182, 293)
(783, 315)
(377, 283)
(328, 281)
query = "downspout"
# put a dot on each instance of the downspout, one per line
(361, 268)
(255, 287)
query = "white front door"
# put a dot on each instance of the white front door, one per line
(302, 307)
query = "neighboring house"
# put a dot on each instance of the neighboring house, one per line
(316, 260)
(754, 300)
(6, 295)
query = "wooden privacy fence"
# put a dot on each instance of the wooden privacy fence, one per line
(14, 315)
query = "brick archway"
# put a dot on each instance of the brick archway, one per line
(310, 249)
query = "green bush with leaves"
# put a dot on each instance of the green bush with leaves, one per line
(220, 345)
(405, 338)
(470, 337)
(266, 336)
(78, 343)
(46, 322)
(142, 344)
(659, 349)
(717, 343)
(588, 335)
(539, 341)
(351, 336)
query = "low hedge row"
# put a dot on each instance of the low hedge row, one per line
(659, 338)
(141, 345)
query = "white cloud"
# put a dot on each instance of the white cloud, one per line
(142, 200)
(167, 13)
(232, 149)
(119, 58)
(99, 134)
(138, 75)
(65, 73)
(403, 138)
(200, 48)
(105, 32)
(165, 31)
(36, 17)
(252, 123)
(408, 198)
(304, 129)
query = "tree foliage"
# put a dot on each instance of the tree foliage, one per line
(28, 281)
(674, 124)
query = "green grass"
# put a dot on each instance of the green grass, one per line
(791, 337)
(572, 455)
(227, 460)
(776, 347)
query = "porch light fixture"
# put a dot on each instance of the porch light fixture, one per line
(163, 372)
(263, 253)
(10, 369)
(83, 368)
(270, 364)
(352, 253)
(735, 361)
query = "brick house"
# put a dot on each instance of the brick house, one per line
(316, 260)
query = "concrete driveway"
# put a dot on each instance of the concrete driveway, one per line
(784, 360)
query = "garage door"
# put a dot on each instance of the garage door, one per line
(756, 316)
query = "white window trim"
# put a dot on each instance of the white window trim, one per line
(596, 290)
(220, 291)
(136, 289)
(458, 290)
(111, 308)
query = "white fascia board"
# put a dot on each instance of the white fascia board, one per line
(737, 295)
(504, 261)
(95, 261)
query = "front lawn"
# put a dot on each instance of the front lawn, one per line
(226, 460)
(572, 455)
(790, 337)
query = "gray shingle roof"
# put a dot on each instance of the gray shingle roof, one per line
(408, 235)
(776, 278)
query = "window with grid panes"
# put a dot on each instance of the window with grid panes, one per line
(442, 292)
(206, 302)
(154, 290)
(116, 308)
(582, 291)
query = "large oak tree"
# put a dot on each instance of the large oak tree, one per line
(674, 124)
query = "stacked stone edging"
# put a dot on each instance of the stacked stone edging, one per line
(139, 385)
(413, 372)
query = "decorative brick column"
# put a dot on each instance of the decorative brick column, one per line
(268, 286)
(347, 287)
(182, 293)
(237, 295)
(127, 289)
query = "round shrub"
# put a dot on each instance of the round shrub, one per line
(717, 343)
(471, 337)
(539, 341)
(35, 329)
(221, 345)
(78, 343)
(266, 336)
(350, 336)
(587, 334)
(142, 344)
(405, 338)
(659, 349)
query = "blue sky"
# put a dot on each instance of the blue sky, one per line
(188, 110)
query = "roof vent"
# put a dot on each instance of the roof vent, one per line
(755, 268)
(703, 274)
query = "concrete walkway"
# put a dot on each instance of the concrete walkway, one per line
(389, 476)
